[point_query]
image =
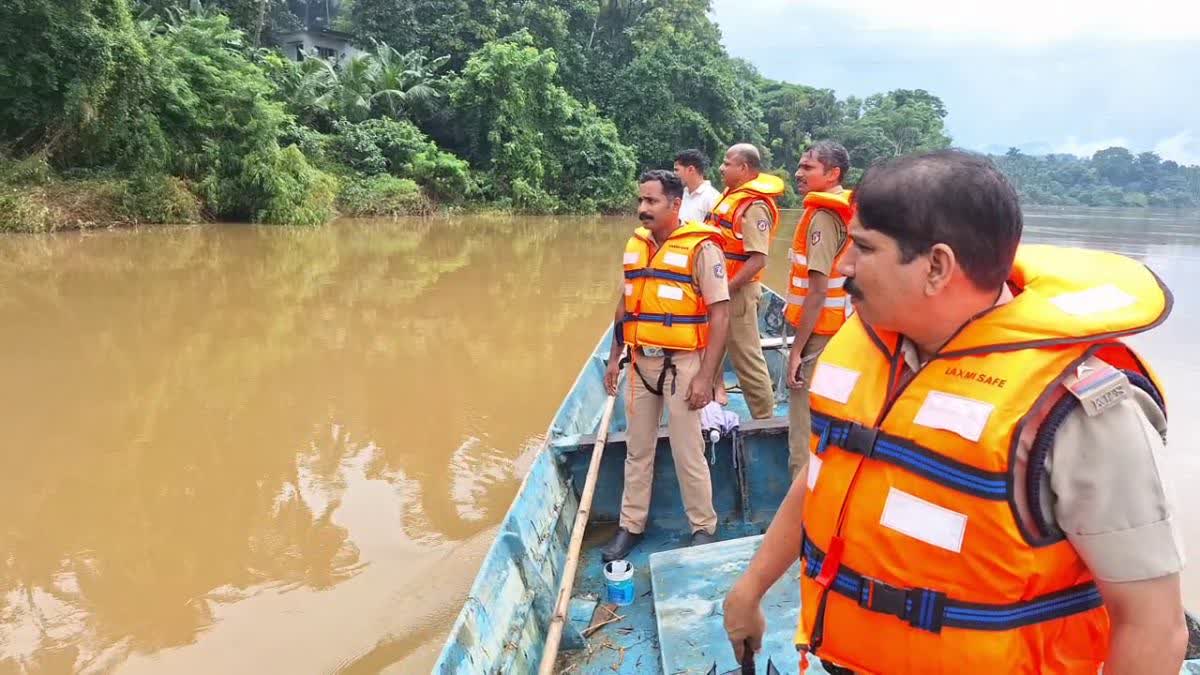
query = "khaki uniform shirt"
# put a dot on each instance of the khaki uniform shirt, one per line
(756, 229)
(708, 269)
(826, 235)
(1106, 487)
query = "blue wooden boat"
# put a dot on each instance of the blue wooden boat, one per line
(674, 624)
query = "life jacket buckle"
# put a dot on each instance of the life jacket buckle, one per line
(926, 609)
(861, 439)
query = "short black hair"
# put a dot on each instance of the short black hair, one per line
(952, 197)
(831, 155)
(672, 184)
(693, 158)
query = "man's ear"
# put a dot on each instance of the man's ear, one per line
(942, 263)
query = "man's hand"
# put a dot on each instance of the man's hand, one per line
(745, 622)
(700, 391)
(610, 376)
(795, 378)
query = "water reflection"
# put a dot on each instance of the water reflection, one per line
(190, 410)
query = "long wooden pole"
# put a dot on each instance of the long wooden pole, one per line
(559, 618)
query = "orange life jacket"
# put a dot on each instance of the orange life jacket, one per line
(915, 557)
(837, 305)
(663, 305)
(727, 215)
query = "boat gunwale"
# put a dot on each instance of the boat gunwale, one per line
(546, 446)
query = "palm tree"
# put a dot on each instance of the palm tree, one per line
(404, 82)
(354, 89)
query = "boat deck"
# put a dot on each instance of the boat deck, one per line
(675, 625)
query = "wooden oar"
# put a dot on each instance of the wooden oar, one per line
(554, 634)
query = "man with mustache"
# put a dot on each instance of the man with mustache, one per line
(816, 296)
(986, 491)
(674, 316)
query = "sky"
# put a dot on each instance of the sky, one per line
(1071, 76)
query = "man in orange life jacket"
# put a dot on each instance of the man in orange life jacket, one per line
(987, 490)
(748, 217)
(817, 301)
(674, 317)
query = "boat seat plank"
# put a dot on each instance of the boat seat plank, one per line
(776, 424)
(689, 587)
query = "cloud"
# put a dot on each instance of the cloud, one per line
(1013, 21)
(1073, 146)
(1183, 147)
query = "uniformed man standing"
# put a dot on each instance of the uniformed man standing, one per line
(817, 304)
(987, 491)
(674, 317)
(748, 217)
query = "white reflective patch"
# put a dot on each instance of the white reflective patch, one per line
(923, 520)
(794, 299)
(797, 282)
(814, 470)
(630, 258)
(628, 289)
(833, 382)
(835, 302)
(796, 257)
(676, 260)
(963, 416)
(837, 282)
(1094, 300)
(670, 292)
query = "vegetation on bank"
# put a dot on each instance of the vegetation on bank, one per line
(1111, 177)
(146, 111)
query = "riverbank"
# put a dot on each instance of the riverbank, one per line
(35, 200)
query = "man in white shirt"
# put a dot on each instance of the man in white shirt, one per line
(699, 196)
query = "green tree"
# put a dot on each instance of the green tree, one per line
(70, 67)
(796, 116)
(1115, 165)
(540, 149)
(893, 124)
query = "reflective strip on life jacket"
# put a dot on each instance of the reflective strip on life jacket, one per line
(794, 299)
(838, 282)
(875, 444)
(931, 610)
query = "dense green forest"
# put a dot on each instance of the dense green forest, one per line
(173, 111)
(1111, 177)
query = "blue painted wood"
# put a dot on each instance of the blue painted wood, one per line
(689, 586)
(502, 625)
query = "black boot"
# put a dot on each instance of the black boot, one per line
(700, 538)
(620, 546)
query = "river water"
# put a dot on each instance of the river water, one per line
(244, 449)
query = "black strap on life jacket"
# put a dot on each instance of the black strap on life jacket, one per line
(930, 610)
(668, 364)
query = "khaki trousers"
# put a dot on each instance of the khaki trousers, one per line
(744, 348)
(644, 410)
(799, 414)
